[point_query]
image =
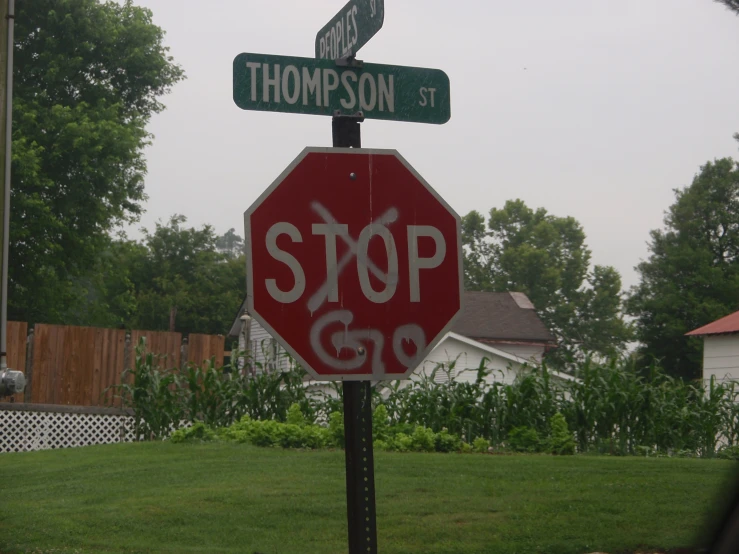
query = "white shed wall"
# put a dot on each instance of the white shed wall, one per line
(468, 359)
(268, 352)
(721, 357)
(265, 350)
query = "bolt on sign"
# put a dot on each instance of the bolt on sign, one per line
(321, 87)
(354, 263)
(350, 29)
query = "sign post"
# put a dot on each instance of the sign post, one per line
(359, 456)
(354, 266)
(354, 262)
(361, 513)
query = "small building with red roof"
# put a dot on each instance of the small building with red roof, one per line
(720, 348)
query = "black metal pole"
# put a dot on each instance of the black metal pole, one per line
(360, 463)
(360, 468)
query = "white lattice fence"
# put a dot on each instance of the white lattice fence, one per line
(40, 430)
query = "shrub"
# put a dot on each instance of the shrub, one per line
(423, 440)
(561, 441)
(523, 439)
(380, 422)
(313, 436)
(295, 415)
(275, 433)
(446, 442)
(264, 433)
(729, 453)
(380, 445)
(289, 435)
(336, 429)
(480, 444)
(402, 443)
(199, 432)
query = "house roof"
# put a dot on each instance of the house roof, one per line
(728, 324)
(505, 316)
(236, 327)
(487, 317)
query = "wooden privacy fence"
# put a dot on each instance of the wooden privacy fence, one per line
(16, 342)
(70, 365)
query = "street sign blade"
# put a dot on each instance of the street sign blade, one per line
(269, 83)
(350, 29)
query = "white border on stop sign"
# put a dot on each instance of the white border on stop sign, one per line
(249, 263)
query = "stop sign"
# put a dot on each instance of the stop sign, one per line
(354, 263)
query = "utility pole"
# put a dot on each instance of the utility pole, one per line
(11, 381)
(5, 118)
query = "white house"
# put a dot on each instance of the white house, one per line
(720, 348)
(503, 329)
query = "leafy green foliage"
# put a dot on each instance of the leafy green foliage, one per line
(336, 428)
(423, 439)
(446, 442)
(524, 439)
(183, 270)
(691, 277)
(561, 440)
(87, 80)
(297, 433)
(380, 422)
(295, 416)
(154, 396)
(544, 256)
(480, 444)
(610, 408)
(164, 398)
(729, 453)
(176, 269)
(198, 432)
(275, 433)
(230, 244)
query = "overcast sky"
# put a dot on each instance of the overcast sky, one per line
(589, 108)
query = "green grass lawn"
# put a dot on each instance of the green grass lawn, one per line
(160, 497)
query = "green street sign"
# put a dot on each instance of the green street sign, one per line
(322, 87)
(350, 29)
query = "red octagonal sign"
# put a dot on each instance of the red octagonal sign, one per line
(354, 263)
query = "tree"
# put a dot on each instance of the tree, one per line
(692, 274)
(731, 4)
(88, 76)
(180, 268)
(106, 296)
(544, 256)
(230, 244)
(174, 270)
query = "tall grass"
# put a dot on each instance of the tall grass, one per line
(611, 408)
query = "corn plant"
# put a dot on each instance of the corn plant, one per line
(612, 407)
(154, 395)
